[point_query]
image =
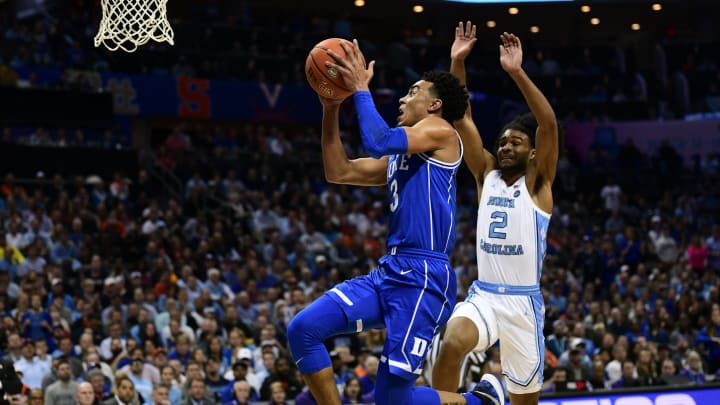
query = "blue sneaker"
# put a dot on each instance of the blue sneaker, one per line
(490, 390)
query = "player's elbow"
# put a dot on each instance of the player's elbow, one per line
(333, 177)
(339, 176)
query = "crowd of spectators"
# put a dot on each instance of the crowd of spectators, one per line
(667, 78)
(141, 292)
(157, 295)
(64, 138)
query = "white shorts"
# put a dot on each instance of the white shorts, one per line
(515, 320)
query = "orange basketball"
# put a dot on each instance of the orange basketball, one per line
(327, 81)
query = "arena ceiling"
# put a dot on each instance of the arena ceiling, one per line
(559, 22)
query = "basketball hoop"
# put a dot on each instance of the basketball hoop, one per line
(128, 24)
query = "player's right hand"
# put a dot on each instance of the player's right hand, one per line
(464, 40)
(355, 73)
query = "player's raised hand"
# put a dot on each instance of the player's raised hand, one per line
(464, 40)
(510, 53)
(356, 75)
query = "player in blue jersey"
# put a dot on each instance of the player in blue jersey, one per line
(515, 203)
(413, 290)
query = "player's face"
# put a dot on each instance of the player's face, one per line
(514, 151)
(416, 103)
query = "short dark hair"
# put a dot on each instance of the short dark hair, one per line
(121, 378)
(526, 123)
(159, 386)
(195, 379)
(447, 88)
(96, 372)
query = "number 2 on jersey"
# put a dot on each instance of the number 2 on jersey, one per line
(499, 222)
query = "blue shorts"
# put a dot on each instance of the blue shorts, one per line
(412, 294)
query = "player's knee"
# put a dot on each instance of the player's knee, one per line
(461, 336)
(300, 328)
(473, 326)
(304, 330)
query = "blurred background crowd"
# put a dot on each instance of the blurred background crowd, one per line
(154, 293)
(666, 70)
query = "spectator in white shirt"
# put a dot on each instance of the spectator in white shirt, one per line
(33, 369)
(33, 263)
(358, 218)
(141, 373)
(265, 219)
(153, 223)
(314, 241)
(613, 370)
(218, 288)
(666, 246)
(163, 318)
(13, 236)
(175, 329)
(115, 332)
(35, 233)
(611, 193)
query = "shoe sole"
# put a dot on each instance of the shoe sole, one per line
(497, 385)
(488, 397)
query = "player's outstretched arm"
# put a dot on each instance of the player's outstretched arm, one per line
(474, 154)
(338, 168)
(546, 138)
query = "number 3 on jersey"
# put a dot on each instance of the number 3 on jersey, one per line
(394, 195)
(499, 222)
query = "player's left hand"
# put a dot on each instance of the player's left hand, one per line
(510, 53)
(356, 75)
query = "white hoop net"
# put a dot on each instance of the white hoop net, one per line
(128, 24)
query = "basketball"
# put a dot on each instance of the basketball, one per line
(327, 81)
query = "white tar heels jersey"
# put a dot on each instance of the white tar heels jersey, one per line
(511, 234)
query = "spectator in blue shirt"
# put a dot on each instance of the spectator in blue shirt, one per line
(36, 322)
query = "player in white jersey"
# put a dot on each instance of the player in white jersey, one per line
(515, 203)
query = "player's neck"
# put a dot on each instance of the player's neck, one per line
(510, 177)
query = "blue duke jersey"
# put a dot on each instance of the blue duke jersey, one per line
(422, 202)
(511, 234)
(413, 291)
